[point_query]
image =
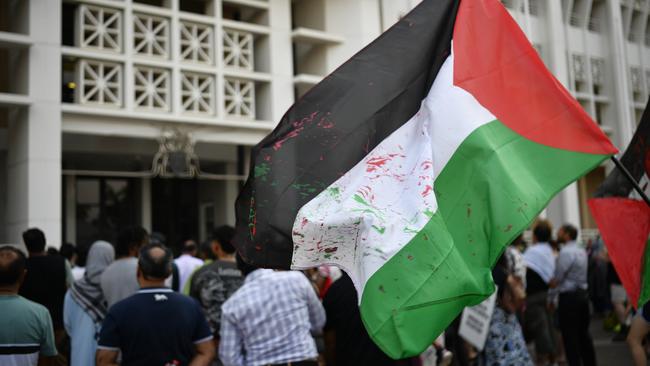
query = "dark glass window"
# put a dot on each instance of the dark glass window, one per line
(104, 207)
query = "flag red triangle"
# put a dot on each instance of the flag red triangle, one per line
(624, 226)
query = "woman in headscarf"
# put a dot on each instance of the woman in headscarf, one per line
(84, 306)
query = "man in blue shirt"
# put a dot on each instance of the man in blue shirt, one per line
(570, 281)
(156, 326)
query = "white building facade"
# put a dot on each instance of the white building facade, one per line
(119, 112)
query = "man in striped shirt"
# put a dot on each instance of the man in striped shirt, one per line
(270, 320)
(26, 332)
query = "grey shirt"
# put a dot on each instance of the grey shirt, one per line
(571, 268)
(119, 280)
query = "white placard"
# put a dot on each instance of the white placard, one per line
(475, 322)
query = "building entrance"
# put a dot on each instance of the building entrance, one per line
(174, 209)
(104, 206)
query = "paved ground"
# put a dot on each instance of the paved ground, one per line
(609, 353)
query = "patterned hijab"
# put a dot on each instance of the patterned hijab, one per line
(87, 292)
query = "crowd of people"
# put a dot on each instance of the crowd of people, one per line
(132, 303)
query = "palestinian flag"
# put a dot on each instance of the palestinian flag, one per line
(413, 165)
(624, 218)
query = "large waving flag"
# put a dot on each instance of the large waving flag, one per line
(624, 219)
(414, 164)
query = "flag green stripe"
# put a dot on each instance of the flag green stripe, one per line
(494, 185)
(644, 296)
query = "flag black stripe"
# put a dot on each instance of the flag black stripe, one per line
(635, 158)
(336, 124)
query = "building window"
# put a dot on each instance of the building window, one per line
(601, 110)
(197, 93)
(150, 36)
(204, 7)
(239, 96)
(100, 83)
(152, 88)
(598, 75)
(104, 207)
(238, 49)
(196, 42)
(636, 82)
(579, 73)
(597, 16)
(100, 28)
(533, 7)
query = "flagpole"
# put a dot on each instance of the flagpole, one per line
(631, 179)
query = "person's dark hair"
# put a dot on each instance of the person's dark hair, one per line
(224, 234)
(155, 267)
(206, 250)
(570, 230)
(10, 271)
(243, 266)
(542, 231)
(158, 238)
(500, 277)
(68, 251)
(52, 251)
(34, 240)
(82, 255)
(188, 246)
(130, 238)
(518, 241)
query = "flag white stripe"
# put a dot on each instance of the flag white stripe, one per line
(370, 213)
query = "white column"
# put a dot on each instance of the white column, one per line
(231, 191)
(622, 98)
(145, 203)
(34, 156)
(280, 53)
(71, 209)
(565, 207)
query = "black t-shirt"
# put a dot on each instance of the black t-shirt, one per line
(534, 283)
(353, 345)
(612, 275)
(212, 285)
(155, 326)
(45, 284)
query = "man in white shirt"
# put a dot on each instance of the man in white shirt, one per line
(540, 264)
(187, 262)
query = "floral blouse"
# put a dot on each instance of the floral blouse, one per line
(505, 343)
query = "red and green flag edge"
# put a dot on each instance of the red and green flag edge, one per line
(510, 169)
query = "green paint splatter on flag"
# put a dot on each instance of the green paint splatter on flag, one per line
(261, 170)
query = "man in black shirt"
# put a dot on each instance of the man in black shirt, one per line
(45, 281)
(346, 340)
(155, 326)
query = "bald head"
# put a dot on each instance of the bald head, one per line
(12, 267)
(155, 262)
